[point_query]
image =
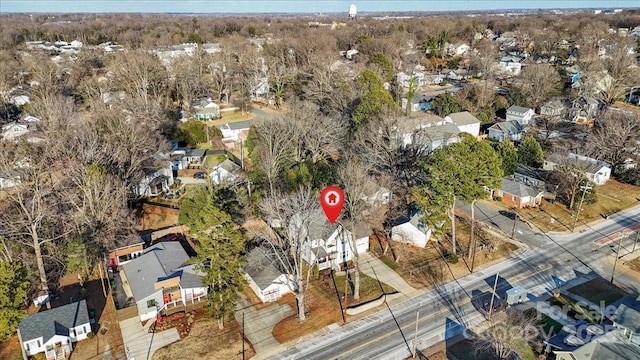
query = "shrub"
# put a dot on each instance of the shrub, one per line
(453, 259)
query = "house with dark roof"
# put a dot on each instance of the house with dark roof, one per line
(161, 280)
(205, 109)
(55, 330)
(330, 245)
(231, 131)
(411, 229)
(516, 193)
(506, 130)
(265, 278)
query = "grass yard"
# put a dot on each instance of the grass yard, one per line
(322, 310)
(212, 160)
(597, 290)
(369, 289)
(612, 197)
(577, 310)
(549, 326)
(206, 341)
(231, 116)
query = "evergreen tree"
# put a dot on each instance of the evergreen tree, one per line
(530, 152)
(220, 251)
(14, 284)
(509, 156)
(445, 104)
(375, 101)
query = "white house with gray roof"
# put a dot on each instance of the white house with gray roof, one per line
(161, 278)
(264, 277)
(55, 330)
(225, 173)
(231, 131)
(411, 229)
(465, 122)
(525, 116)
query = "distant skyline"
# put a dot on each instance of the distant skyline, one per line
(294, 6)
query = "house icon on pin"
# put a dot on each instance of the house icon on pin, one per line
(332, 198)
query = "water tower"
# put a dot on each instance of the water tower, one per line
(353, 13)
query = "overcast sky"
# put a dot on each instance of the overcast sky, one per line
(295, 6)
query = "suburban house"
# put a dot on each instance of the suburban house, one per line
(55, 330)
(231, 131)
(516, 193)
(432, 137)
(205, 109)
(160, 280)
(456, 49)
(627, 318)
(264, 277)
(433, 79)
(505, 130)
(584, 109)
(465, 122)
(411, 229)
(156, 180)
(124, 254)
(14, 130)
(558, 107)
(591, 342)
(525, 116)
(404, 79)
(187, 158)
(597, 171)
(225, 172)
(511, 65)
(375, 195)
(330, 246)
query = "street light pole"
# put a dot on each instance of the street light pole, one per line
(584, 192)
(613, 272)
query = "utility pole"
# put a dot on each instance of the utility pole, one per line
(415, 336)
(515, 220)
(493, 294)
(584, 192)
(613, 272)
(243, 336)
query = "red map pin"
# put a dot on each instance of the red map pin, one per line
(332, 200)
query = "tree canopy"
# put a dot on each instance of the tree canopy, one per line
(530, 152)
(445, 104)
(14, 284)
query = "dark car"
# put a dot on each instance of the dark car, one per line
(199, 175)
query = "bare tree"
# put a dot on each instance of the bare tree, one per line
(540, 82)
(569, 174)
(614, 138)
(274, 148)
(294, 214)
(509, 335)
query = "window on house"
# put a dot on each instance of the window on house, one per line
(79, 331)
(513, 198)
(152, 303)
(500, 193)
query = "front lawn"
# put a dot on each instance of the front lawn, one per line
(369, 288)
(597, 290)
(612, 197)
(549, 326)
(212, 160)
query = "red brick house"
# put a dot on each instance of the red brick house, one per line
(515, 193)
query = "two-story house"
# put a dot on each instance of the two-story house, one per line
(506, 130)
(465, 122)
(525, 116)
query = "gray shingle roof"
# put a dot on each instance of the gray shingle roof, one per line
(56, 321)
(158, 261)
(262, 271)
(628, 316)
(517, 109)
(507, 127)
(238, 125)
(517, 188)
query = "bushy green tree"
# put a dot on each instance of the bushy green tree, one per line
(193, 132)
(14, 284)
(445, 104)
(530, 152)
(509, 156)
(375, 101)
(385, 65)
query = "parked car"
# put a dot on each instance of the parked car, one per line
(199, 175)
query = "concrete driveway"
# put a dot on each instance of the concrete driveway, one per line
(140, 343)
(259, 323)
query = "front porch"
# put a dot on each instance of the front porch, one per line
(58, 352)
(181, 305)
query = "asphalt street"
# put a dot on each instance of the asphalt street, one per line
(446, 310)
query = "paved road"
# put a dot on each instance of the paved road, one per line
(446, 310)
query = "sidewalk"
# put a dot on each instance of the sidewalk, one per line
(259, 323)
(373, 267)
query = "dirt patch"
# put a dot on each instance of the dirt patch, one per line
(151, 217)
(370, 288)
(10, 349)
(322, 309)
(181, 321)
(206, 341)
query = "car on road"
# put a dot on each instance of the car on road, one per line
(199, 175)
